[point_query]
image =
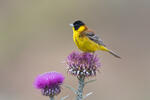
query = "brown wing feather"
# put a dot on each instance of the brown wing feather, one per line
(90, 34)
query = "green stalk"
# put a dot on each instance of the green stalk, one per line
(80, 88)
(51, 98)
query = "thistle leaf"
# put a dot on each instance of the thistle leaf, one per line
(88, 94)
(63, 98)
(71, 88)
(90, 81)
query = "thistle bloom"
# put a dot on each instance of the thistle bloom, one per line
(83, 64)
(49, 83)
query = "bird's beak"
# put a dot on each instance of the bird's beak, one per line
(71, 25)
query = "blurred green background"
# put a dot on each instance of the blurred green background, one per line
(35, 37)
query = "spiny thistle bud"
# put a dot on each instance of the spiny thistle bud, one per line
(49, 83)
(83, 64)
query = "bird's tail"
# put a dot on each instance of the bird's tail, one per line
(103, 48)
(114, 54)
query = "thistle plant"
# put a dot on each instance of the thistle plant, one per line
(49, 83)
(82, 65)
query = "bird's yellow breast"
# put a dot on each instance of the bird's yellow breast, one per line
(84, 43)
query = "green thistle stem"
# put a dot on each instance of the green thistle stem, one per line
(51, 98)
(80, 88)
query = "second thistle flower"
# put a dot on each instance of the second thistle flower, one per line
(49, 83)
(83, 64)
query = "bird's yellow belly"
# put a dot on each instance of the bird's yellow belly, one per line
(85, 44)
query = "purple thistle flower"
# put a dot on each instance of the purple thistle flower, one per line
(49, 83)
(83, 64)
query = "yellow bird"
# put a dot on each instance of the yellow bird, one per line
(86, 40)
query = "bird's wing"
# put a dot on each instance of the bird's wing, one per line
(93, 37)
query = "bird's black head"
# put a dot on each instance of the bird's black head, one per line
(77, 24)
